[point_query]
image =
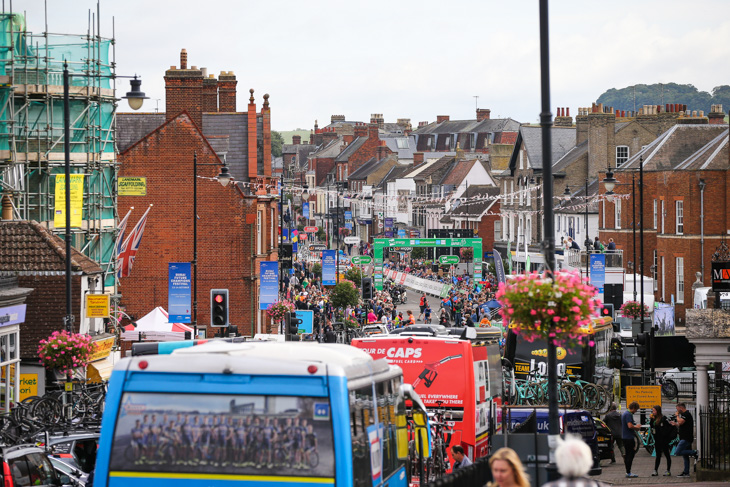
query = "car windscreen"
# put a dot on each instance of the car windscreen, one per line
(222, 434)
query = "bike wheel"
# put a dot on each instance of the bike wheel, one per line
(47, 409)
(669, 389)
(591, 397)
(574, 394)
(605, 400)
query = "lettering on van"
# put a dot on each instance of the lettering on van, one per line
(398, 352)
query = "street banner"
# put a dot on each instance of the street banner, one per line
(598, 271)
(388, 222)
(77, 200)
(307, 323)
(499, 266)
(509, 256)
(348, 215)
(329, 268)
(285, 235)
(269, 289)
(178, 292)
(305, 210)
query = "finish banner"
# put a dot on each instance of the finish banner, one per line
(77, 200)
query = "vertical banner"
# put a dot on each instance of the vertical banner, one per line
(269, 288)
(509, 256)
(499, 266)
(305, 210)
(598, 271)
(77, 200)
(329, 268)
(178, 292)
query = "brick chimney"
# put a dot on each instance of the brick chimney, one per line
(373, 132)
(328, 136)
(417, 158)
(581, 125)
(422, 124)
(378, 119)
(483, 114)
(184, 90)
(227, 92)
(266, 135)
(716, 115)
(442, 118)
(296, 139)
(382, 151)
(252, 137)
(337, 118)
(361, 130)
(563, 119)
(210, 92)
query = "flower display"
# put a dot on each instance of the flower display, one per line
(65, 351)
(277, 310)
(466, 253)
(558, 309)
(632, 309)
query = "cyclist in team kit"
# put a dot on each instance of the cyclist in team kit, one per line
(137, 440)
(240, 442)
(310, 444)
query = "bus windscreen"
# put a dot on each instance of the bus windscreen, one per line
(221, 434)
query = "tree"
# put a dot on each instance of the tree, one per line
(277, 141)
(344, 294)
(636, 96)
(353, 274)
(321, 235)
(418, 253)
(317, 269)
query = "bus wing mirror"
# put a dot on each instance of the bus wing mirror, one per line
(469, 333)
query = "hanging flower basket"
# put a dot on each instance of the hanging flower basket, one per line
(277, 310)
(559, 310)
(632, 309)
(64, 352)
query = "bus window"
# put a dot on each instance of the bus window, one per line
(223, 434)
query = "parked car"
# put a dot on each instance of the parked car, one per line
(78, 478)
(604, 439)
(28, 465)
(76, 450)
(683, 381)
(374, 329)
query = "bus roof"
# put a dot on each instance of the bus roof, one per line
(267, 358)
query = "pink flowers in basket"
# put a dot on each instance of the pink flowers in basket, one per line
(65, 351)
(277, 310)
(559, 310)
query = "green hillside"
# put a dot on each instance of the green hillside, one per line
(634, 97)
(288, 134)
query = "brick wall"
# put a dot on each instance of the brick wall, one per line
(366, 151)
(225, 229)
(486, 227)
(184, 92)
(46, 308)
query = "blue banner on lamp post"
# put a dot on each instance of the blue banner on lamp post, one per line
(598, 271)
(305, 210)
(269, 289)
(178, 292)
(329, 268)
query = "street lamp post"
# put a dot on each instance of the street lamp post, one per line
(224, 178)
(135, 98)
(588, 238)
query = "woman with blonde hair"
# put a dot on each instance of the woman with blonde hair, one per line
(507, 469)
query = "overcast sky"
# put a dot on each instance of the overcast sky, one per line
(408, 59)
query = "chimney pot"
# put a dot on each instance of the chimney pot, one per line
(567, 111)
(7, 208)
(442, 118)
(184, 59)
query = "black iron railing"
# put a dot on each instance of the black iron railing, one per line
(715, 438)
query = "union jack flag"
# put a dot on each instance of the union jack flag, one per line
(125, 259)
(120, 236)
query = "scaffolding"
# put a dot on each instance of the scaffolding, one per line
(32, 132)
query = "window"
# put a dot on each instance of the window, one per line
(401, 143)
(511, 192)
(663, 215)
(529, 196)
(617, 214)
(680, 279)
(679, 216)
(622, 155)
(558, 222)
(522, 160)
(663, 281)
(522, 195)
(272, 224)
(447, 142)
(655, 214)
(498, 230)
(259, 236)
(655, 270)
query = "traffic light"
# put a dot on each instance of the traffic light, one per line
(219, 307)
(291, 327)
(285, 251)
(643, 345)
(367, 288)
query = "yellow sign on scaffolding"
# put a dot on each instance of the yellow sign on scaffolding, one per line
(77, 200)
(132, 186)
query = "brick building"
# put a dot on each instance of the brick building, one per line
(237, 225)
(685, 204)
(479, 212)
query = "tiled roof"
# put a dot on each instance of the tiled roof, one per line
(714, 155)
(479, 204)
(363, 171)
(403, 153)
(332, 149)
(395, 173)
(458, 172)
(571, 156)
(562, 140)
(131, 127)
(472, 126)
(351, 149)
(29, 248)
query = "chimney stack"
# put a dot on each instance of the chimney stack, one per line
(442, 118)
(184, 90)
(483, 114)
(296, 139)
(418, 158)
(563, 119)
(328, 136)
(337, 118)
(210, 92)
(378, 119)
(716, 115)
(360, 130)
(422, 124)
(373, 132)
(382, 151)
(227, 92)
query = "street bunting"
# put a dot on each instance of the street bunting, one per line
(178, 292)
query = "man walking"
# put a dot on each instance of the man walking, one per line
(613, 421)
(628, 426)
(686, 425)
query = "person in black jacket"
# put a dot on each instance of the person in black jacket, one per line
(613, 421)
(663, 433)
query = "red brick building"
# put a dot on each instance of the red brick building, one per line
(685, 205)
(237, 225)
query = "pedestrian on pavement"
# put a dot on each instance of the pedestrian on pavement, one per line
(330, 336)
(613, 421)
(628, 427)
(460, 458)
(686, 426)
(574, 459)
(663, 433)
(507, 469)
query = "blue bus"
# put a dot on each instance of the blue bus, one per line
(259, 413)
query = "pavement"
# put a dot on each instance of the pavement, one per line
(643, 466)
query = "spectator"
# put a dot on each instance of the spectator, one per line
(574, 459)
(628, 427)
(460, 458)
(611, 245)
(507, 469)
(686, 425)
(613, 421)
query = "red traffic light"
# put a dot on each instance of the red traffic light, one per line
(218, 298)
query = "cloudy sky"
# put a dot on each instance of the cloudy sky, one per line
(408, 59)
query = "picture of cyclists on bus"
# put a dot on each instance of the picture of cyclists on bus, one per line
(236, 435)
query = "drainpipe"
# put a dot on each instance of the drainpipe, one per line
(702, 228)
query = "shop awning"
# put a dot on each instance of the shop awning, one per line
(99, 371)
